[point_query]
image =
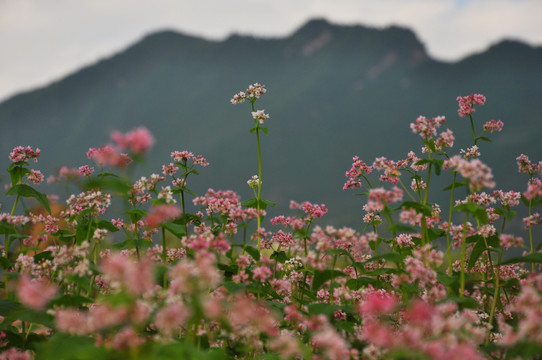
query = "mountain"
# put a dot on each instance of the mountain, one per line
(333, 92)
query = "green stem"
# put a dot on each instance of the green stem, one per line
(463, 254)
(183, 211)
(472, 128)
(406, 190)
(448, 243)
(424, 221)
(15, 205)
(164, 248)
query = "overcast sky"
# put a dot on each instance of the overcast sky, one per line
(44, 40)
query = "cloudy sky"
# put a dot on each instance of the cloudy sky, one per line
(43, 40)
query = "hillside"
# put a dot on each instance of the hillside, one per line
(333, 92)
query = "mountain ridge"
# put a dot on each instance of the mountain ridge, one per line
(334, 92)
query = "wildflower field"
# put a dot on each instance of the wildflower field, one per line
(414, 280)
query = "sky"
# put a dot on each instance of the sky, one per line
(45, 40)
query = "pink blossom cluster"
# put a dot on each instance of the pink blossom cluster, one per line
(108, 155)
(137, 141)
(466, 103)
(162, 213)
(493, 125)
(358, 169)
(252, 93)
(379, 198)
(20, 153)
(184, 156)
(479, 174)
(534, 189)
(427, 128)
(260, 116)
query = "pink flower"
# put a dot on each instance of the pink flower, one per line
(405, 240)
(138, 140)
(161, 214)
(260, 116)
(378, 303)
(22, 154)
(252, 93)
(170, 318)
(493, 125)
(261, 273)
(427, 128)
(107, 155)
(85, 170)
(466, 103)
(35, 176)
(35, 293)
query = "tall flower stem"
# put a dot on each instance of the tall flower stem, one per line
(258, 197)
(472, 128)
(463, 255)
(448, 242)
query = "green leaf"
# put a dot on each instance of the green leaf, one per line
(6, 228)
(45, 255)
(435, 233)
(456, 185)
(531, 258)
(477, 211)
(321, 276)
(420, 208)
(483, 138)
(402, 228)
(108, 225)
(108, 182)
(178, 230)
(264, 130)
(465, 302)
(8, 306)
(446, 280)
(279, 256)
(82, 282)
(27, 315)
(392, 256)
(267, 202)
(63, 346)
(27, 191)
(362, 281)
(71, 300)
(252, 252)
(250, 203)
(135, 214)
(322, 308)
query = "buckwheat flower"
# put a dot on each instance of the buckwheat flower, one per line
(20, 153)
(466, 103)
(253, 182)
(418, 185)
(180, 156)
(15, 354)
(445, 139)
(119, 223)
(200, 160)
(161, 214)
(171, 318)
(170, 169)
(509, 199)
(378, 302)
(534, 189)
(138, 140)
(126, 338)
(238, 98)
(427, 128)
(85, 170)
(167, 195)
(107, 155)
(479, 175)
(255, 90)
(261, 273)
(35, 293)
(99, 235)
(510, 240)
(487, 230)
(532, 220)
(260, 116)
(333, 345)
(493, 125)
(404, 240)
(472, 152)
(35, 176)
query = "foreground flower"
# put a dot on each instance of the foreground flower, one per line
(161, 214)
(35, 293)
(466, 103)
(138, 141)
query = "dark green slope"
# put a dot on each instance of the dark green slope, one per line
(334, 92)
